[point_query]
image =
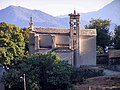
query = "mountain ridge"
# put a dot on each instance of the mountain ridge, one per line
(17, 15)
(110, 11)
(20, 16)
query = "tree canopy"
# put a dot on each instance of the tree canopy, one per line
(102, 27)
(12, 42)
(117, 37)
(43, 72)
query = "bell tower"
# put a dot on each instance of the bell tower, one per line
(74, 35)
(74, 30)
(31, 24)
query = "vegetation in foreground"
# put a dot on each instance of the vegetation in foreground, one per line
(13, 42)
(45, 71)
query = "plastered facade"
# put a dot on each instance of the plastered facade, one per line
(77, 46)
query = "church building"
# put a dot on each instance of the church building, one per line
(75, 45)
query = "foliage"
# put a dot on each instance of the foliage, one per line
(102, 27)
(12, 43)
(12, 80)
(43, 72)
(25, 33)
(117, 37)
(99, 50)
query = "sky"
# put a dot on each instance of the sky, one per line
(57, 7)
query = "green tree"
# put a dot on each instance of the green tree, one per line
(44, 72)
(25, 33)
(12, 80)
(117, 37)
(102, 27)
(11, 43)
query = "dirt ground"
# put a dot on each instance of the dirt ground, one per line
(112, 81)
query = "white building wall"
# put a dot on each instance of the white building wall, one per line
(88, 50)
(62, 39)
(67, 56)
(84, 55)
(45, 41)
(31, 43)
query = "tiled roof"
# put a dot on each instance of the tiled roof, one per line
(51, 30)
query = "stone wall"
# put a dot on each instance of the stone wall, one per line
(114, 57)
(102, 59)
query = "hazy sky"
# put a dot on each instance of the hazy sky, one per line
(57, 7)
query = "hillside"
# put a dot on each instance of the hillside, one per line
(110, 11)
(20, 16)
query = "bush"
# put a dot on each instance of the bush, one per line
(43, 72)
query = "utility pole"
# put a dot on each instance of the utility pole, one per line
(24, 82)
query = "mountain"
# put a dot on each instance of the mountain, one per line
(20, 16)
(110, 11)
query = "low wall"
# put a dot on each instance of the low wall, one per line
(114, 67)
(102, 59)
(87, 87)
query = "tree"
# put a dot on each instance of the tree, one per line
(117, 37)
(102, 27)
(12, 80)
(11, 43)
(25, 33)
(44, 72)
